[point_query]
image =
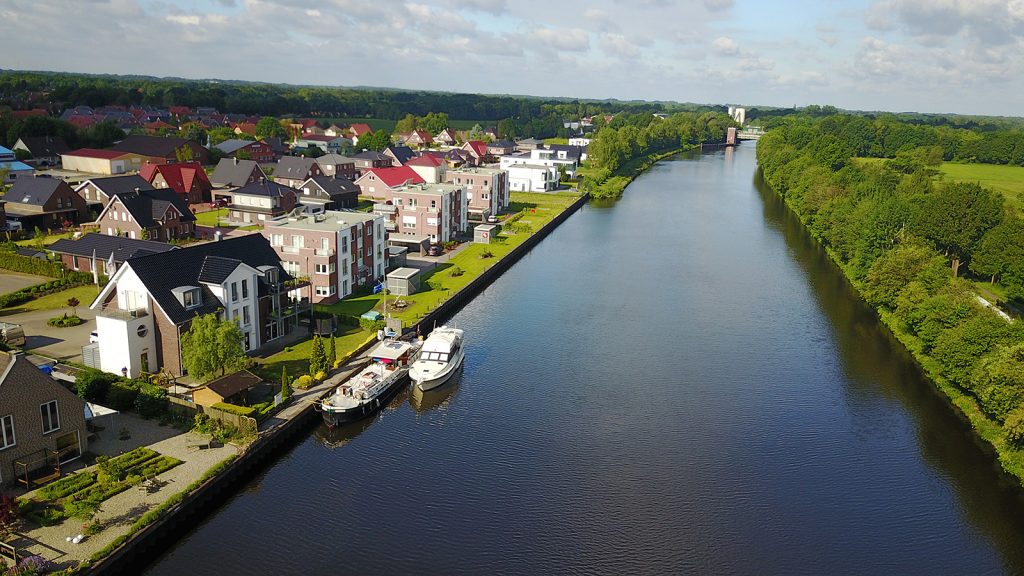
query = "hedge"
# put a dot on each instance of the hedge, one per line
(67, 486)
(233, 409)
(29, 265)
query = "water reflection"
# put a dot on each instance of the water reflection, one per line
(346, 433)
(439, 398)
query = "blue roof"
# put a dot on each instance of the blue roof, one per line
(6, 150)
(14, 166)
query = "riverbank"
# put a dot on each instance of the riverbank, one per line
(1010, 459)
(153, 531)
(610, 186)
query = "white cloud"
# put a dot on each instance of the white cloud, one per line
(726, 46)
(618, 45)
(567, 39)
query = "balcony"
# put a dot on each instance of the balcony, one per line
(290, 249)
(119, 314)
(323, 252)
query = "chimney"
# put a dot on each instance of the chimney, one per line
(235, 158)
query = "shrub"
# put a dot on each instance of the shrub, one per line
(65, 321)
(371, 325)
(320, 376)
(33, 565)
(487, 254)
(456, 271)
(67, 485)
(151, 401)
(303, 382)
(92, 385)
(28, 265)
(1014, 427)
(121, 395)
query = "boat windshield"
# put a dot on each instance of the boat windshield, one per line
(438, 356)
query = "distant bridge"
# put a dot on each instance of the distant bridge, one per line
(750, 133)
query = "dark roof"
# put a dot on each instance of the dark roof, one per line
(372, 155)
(150, 145)
(216, 269)
(30, 252)
(501, 144)
(293, 167)
(231, 384)
(35, 191)
(231, 146)
(233, 172)
(265, 188)
(148, 206)
(402, 153)
(570, 150)
(161, 273)
(335, 185)
(334, 160)
(121, 184)
(276, 144)
(45, 145)
(122, 248)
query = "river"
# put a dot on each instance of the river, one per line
(678, 382)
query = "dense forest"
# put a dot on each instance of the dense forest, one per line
(911, 245)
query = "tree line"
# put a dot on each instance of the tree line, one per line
(907, 241)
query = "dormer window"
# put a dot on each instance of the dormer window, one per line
(188, 296)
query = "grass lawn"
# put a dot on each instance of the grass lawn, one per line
(437, 285)
(47, 240)
(296, 358)
(556, 140)
(57, 300)
(209, 218)
(1006, 179)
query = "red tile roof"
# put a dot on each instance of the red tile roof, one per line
(423, 136)
(19, 114)
(425, 160)
(159, 125)
(360, 129)
(180, 110)
(245, 128)
(181, 177)
(82, 121)
(396, 176)
(96, 153)
(477, 147)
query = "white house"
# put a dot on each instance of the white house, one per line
(532, 178)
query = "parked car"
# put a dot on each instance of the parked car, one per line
(435, 250)
(492, 219)
(94, 337)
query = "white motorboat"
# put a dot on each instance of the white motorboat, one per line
(440, 356)
(370, 388)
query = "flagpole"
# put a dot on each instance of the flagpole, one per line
(95, 273)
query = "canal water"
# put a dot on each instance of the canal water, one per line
(679, 382)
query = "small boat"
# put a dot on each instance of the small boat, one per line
(370, 388)
(440, 356)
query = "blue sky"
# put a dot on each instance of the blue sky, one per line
(899, 55)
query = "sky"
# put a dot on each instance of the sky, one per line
(959, 56)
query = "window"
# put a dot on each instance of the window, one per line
(325, 244)
(234, 291)
(191, 298)
(245, 315)
(326, 290)
(245, 288)
(276, 240)
(325, 268)
(344, 244)
(433, 203)
(51, 420)
(7, 431)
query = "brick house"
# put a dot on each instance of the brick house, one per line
(369, 159)
(417, 138)
(487, 190)
(187, 179)
(375, 181)
(259, 201)
(337, 165)
(147, 215)
(42, 424)
(337, 251)
(149, 303)
(43, 202)
(235, 172)
(448, 137)
(477, 150)
(294, 170)
(328, 193)
(97, 192)
(96, 249)
(435, 211)
(247, 150)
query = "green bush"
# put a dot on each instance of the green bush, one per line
(233, 409)
(151, 401)
(29, 265)
(1014, 427)
(66, 486)
(371, 325)
(92, 385)
(121, 395)
(65, 321)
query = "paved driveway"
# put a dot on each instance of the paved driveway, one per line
(14, 281)
(57, 343)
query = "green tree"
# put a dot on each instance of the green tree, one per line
(433, 122)
(999, 381)
(286, 389)
(405, 125)
(1001, 251)
(269, 127)
(332, 355)
(317, 357)
(211, 346)
(891, 273)
(183, 153)
(193, 131)
(956, 217)
(375, 141)
(220, 134)
(73, 304)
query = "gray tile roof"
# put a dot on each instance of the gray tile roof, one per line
(231, 146)
(217, 268)
(293, 167)
(233, 172)
(402, 153)
(265, 188)
(34, 191)
(148, 206)
(45, 145)
(121, 184)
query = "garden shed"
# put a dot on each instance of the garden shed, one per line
(403, 281)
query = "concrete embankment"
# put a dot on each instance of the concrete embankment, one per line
(293, 423)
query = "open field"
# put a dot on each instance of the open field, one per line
(1006, 179)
